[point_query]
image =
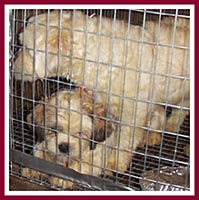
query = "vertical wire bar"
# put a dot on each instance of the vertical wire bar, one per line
(97, 71)
(11, 75)
(57, 107)
(153, 85)
(70, 73)
(139, 75)
(34, 72)
(188, 163)
(33, 75)
(16, 19)
(83, 84)
(123, 89)
(12, 42)
(139, 71)
(15, 25)
(22, 84)
(125, 66)
(110, 84)
(166, 101)
(45, 81)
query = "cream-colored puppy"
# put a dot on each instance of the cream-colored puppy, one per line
(72, 126)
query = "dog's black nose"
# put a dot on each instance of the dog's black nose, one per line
(64, 147)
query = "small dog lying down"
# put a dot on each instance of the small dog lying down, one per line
(133, 71)
(72, 126)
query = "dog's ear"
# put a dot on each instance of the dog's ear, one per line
(101, 131)
(103, 127)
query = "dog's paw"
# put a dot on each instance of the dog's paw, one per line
(29, 173)
(153, 139)
(61, 183)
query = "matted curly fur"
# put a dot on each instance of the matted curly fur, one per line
(133, 71)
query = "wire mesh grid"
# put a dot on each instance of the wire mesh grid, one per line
(24, 96)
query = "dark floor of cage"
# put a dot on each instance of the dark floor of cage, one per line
(169, 153)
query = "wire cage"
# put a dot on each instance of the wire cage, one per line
(162, 166)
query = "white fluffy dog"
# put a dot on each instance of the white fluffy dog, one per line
(133, 71)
